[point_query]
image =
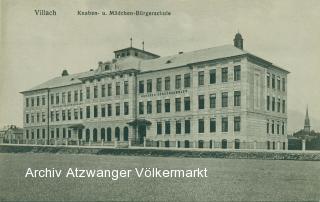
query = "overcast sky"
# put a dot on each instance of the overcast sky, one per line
(37, 48)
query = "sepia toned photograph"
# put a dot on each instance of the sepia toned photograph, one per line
(184, 100)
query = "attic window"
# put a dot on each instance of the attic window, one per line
(168, 61)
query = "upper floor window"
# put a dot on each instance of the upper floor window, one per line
(283, 84)
(43, 100)
(149, 107)
(273, 81)
(278, 83)
(268, 80)
(81, 95)
(141, 108)
(75, 96)
(159, 128)
(187, 126)
(167, 105)
(224, 100)
(201, 101)
(186, 103)
(38, 100)
(159, 106)
(187, 80)
(126, 87)
(63, 97)
(273, 103)
(141, 86)
(117, 109)
(224, 124)
(200, 125)
(95, 91)
(126, 108)
(224, 74)
(88, 92)
(103, 90)
(178, 104)
(237, 123)
(237, 98)
(88, 112)
(159, 84)
(283, 106)
(201, 78)
(95, 111)
(178, 81)
(52, 99)
(167, 83)
(118, 88)
(32, 102)
(27, 102)
(212, 100)
(149, 86)
(69, 96)
(237, 73)
(109, 89)
(57, 98)
(212, 76)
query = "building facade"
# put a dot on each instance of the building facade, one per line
(220, 97)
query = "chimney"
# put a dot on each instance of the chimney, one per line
(64, 73)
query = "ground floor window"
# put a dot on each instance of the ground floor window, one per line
(186, 144)
(109, 134)
(167, 143)
(273, 145)
(125, 133)
(200, 143)
(283, 145)
(237, 144)
(224, 144)
(268, 144)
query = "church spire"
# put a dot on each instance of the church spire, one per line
(307, 122)
(238, 41)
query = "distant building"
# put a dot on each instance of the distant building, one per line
(11, 134)
(307, 126)
(221, 97)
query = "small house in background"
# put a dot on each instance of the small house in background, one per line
(11, 134)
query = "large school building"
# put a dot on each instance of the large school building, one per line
(220, 97)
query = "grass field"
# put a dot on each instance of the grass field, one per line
(228, 179)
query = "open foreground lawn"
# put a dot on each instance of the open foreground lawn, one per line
(228, 179)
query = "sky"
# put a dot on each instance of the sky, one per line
(37, 48)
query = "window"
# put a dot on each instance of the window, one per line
(63, 115)
(268, 102)
(278, 83)
(283, 84)
(212, 101)
(27, 118)
(75, 114)
(64, 132)
(273, 81)
(149, 107)
(95, 111)
(117, 109)
(57, 116)
(178, 81)
(141, 108)
(43, 133)
(178, 127)
(167, 127)
(75, 96)
(268, 127)
(69, 96)
(57, 132)
(159, 128)
(237, 123)
(212, 125)
(167, 83)
(126, 108)
(187, 126)
(159, 106)
(57, 98)
(278, 105)
(52, 116)
(237, 73)
(201, 101)
(118, 88)
(69, 114)
(268, 80)
(141, 86)
(52, 99)
(38, 117)
(109, 110)
(43, 117)
(81, 113)
(187, 80)
(159, 84)
(43, 100)
(88, 92)
(201, 78)
(27, 102)
(283, 106)
(212, 76)
(81, 95)
(32, 102)
(237, 98)
(224, 74)
(167, 105)
(103, 90)
(63, 97)
(224, 99)
(187, 104)
(38, 100)
(272, 127)
(149, 86)
(126, 87)
(201, 126)
(109, 89)
(88, 112)
(282, 128)
(278, 129)
(273, 103)
(224, 124)
(178, 104)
